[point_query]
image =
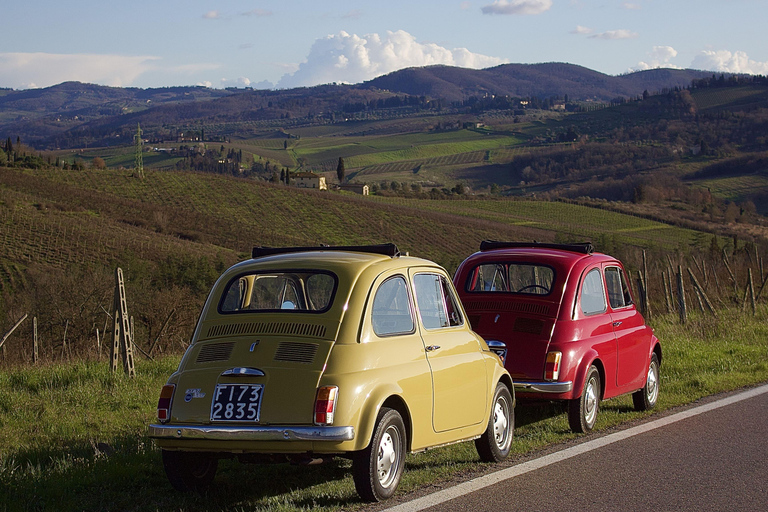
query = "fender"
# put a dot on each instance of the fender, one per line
(370, 411)
(589, 358)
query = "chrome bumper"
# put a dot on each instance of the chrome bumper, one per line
(265, 433)
(543, 387)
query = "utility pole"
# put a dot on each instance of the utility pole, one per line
(138, 157)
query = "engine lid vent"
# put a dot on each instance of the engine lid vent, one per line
(517, 307)
(215, 352)
(296, 352)
(265, 328)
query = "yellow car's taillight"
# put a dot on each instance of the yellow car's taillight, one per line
(552, 366)
(325, 405)
(164, 403)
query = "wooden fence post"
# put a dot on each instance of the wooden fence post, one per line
(641, 291)
(749, 292)
(667, 299)
(681, 295)
(15, 326)
(700, 294)
(34, 341)
(646, 300)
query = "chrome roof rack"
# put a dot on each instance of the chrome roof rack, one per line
(388, 249)
(583, 248)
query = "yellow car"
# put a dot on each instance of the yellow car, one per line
(305, 353)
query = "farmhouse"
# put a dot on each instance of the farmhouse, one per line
(309, 180)
(357, 188)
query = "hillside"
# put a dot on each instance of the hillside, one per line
(531, 80)
(62, 233)
(75, 115)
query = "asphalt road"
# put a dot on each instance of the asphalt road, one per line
(714, 458)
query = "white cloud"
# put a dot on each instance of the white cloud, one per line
(581, 30)
(630, 6)
(517, 7)
(205, 83)
(660, 57)
(349, 58)
(212, 15)
(25, 70)
(238, 82)
(616, 34)
(725, 61)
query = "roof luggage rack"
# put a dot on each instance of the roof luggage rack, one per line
(388, 249)
(583, 248)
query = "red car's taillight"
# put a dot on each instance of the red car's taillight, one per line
(325, 405)
(552, 367)
(164, 403)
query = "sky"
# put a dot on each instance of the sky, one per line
(267, 44)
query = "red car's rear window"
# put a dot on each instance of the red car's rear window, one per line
(506, 277)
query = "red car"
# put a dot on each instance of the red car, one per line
(569, 323)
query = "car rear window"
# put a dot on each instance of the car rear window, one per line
(296, 290)
(526, 278)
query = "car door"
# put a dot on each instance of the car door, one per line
(629, 327)
(592, 326)
(454, 354)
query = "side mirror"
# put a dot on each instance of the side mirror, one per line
(499, 348)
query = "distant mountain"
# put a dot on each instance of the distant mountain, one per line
(531, 80)
(73, 114)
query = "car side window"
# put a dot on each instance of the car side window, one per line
(391, 312)
(593, 293)
(438, 306)
(618, 289)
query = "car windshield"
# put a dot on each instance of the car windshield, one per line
(308, 291)
(525, 278)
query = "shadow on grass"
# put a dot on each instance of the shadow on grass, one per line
(128, 475)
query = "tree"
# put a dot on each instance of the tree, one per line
(340, 170)
(285, 144)
(99, 163)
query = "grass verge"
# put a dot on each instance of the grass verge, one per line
(73, 437)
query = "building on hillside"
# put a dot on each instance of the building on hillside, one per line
(357, 188)
(309, 180)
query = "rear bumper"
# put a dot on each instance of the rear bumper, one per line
(256, 433)
(543, 387)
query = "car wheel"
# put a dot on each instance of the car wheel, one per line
(494, 444)
(377, 469)
(646, 397)
(582, 411)
(189, 471)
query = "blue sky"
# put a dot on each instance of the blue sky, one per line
(288, 43)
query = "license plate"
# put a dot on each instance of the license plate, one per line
(236, 402)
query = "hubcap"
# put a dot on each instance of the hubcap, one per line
(386, 462)
(652, 384)
(590, 402)
(500, 423)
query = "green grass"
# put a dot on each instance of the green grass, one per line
(73, 436)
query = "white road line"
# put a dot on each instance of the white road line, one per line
(525, 467)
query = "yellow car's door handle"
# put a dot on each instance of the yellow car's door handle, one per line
(432, 347)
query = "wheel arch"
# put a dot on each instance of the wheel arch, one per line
(397, 403)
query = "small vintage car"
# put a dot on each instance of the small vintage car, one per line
(305, 353)
(566, 315)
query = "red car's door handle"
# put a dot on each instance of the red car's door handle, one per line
(617, 323)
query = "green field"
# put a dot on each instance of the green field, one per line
(74, 436)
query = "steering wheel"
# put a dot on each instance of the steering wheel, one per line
(546, 290)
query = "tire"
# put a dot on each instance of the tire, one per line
(645, 398)
(582, 411)
(189, 471)
(377, 469)
(494, 444)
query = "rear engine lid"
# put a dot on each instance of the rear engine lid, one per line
(284, 370)
(524, 326)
